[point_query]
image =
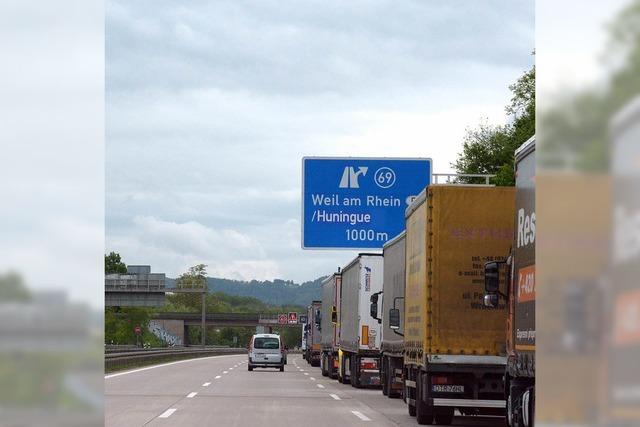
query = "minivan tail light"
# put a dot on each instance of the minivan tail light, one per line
(439, 380)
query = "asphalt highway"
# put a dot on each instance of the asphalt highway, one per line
(219, 391)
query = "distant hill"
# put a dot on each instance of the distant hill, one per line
(279, 292)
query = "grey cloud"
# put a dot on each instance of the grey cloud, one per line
(211, 105)
(309, 48)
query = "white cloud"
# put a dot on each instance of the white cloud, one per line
(177, 246)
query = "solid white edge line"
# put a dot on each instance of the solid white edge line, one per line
(335, 396)
(167, 413)
(206, 384)
(118, 374)
(192, 394)
(360, 415)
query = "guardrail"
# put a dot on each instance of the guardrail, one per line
(127, 359)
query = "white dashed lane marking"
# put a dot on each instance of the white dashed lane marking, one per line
(167, 413)
(218, 376)
(335, 396)
(361, 416)
(192, 394)
(206, 384)
(320, 386)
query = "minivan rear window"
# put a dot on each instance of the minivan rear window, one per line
(266, 343)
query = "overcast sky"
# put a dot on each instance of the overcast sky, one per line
(210, 107)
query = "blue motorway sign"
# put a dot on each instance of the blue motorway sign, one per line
(357, 203)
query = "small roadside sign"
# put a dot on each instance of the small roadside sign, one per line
(282, 319)
(302, 319)
(293, 318)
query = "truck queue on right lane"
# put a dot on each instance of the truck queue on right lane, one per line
(438, 318)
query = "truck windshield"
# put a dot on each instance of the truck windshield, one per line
(266, 343)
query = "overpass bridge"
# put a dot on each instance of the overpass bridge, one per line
(174, 327)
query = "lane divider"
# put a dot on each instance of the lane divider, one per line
(335, 396)
(167, 413)
(360, 415)
(206, 384)
(192, 394)
(218, 377)
(320, 385)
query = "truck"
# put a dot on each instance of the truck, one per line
(623, 331)
(359, 340)
(313, 329)
(329, 325)
(303, 342)
(392, 344)
(519, 294)
(454, 346)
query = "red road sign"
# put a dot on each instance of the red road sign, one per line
(137, 330)
(293, 318)
(282, 319)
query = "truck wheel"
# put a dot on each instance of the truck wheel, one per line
(343, 374)
(424, 412)
(412, 409)
(249, 368)
(391, 376)
(281, 368)
(444, 416)
(409, 393)
(384, 376)
(514, 404)
(323, 366)
(355, 372)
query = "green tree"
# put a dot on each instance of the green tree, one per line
(113, 264)
(119, 325)
(12, 288)
(195, 278)
(575, 132)
(489, 149)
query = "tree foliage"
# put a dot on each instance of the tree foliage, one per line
(13, 288)
(113, 264)
(194, 278)
(576, 131)
(489, 149)
(119, 325)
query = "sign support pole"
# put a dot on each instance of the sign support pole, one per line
(204, 317)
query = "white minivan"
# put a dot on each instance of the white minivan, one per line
(266, 351)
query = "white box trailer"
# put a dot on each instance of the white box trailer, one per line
(359, 342)
(392, 342)
(330, 325)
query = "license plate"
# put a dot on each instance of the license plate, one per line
(447, 388)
